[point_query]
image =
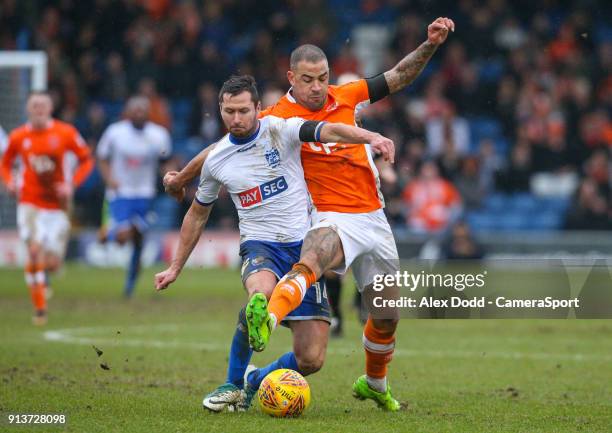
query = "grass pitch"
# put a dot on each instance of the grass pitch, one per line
(165, 351)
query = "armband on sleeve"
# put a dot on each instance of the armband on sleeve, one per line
(377, 87)
(311, 131)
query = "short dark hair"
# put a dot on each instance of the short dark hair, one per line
(237, 84)
(308, 52)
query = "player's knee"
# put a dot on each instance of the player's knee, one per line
(34, 251)
(310, 362)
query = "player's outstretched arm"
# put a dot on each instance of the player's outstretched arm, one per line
(341, 133)
(175, 182)
(406, 71)
(194, 220)
(6, 166)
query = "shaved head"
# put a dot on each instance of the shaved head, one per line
(309, 76)
(309, 53)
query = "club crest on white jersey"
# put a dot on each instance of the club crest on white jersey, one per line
(264, 177)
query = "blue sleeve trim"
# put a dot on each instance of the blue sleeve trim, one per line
(203, 203)
(318, 131)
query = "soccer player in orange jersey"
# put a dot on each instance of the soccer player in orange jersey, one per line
(350, 228)
(44, 193)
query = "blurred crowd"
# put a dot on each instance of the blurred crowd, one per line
(518, 100)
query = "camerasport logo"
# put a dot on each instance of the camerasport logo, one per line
(262, 192)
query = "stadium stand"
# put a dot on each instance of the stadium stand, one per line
(521, 77)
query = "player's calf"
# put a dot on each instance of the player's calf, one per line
(36, 282)
(290, 291)
(309, 344)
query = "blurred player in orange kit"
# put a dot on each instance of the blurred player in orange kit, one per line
(349, 226)
(44, 193)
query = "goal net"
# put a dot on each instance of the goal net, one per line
(21, 72)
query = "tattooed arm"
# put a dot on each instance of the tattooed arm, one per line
(406, 71)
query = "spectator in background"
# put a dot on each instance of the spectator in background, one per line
(140, 61)
(432, 202)
(449, 161)
(490, 163)
(515, 177)
(210, 65)
(271, 96)
(461, 245)
(158, 109)
(589, 210)
(445, 129)
(506, 105)
(178, 79)
(94, 124)
(115, 83)
(468, 183)
(345, 62)
(204, 123)
(510, 35)
(595, 130)
(597, 168)
(544, 128)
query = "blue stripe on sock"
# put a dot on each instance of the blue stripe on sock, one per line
(285, 361)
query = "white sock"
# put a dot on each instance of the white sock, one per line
(379, 385)
(273, 321)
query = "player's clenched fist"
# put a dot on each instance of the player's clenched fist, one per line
(165, 278)
(172, 186)
(437, 32)
(384, 146)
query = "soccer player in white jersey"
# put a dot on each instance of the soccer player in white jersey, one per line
(3, 140)
(259, 164)
(129, 155)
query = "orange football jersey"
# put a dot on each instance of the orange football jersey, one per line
(42, 154)
(340, 177)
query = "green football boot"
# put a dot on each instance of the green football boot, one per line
(384, 400)
(258, 321)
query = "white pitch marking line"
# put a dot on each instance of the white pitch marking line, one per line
(74, 336)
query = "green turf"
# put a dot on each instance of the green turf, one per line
(166, 350)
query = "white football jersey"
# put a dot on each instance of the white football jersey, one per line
(134, 157)
(3, 141)
(263, 174)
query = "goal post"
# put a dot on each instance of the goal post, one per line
(21, 72)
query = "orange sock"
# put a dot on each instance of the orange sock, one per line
(35, 279)
(290, 291)
(379, 346)
(38, 297)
